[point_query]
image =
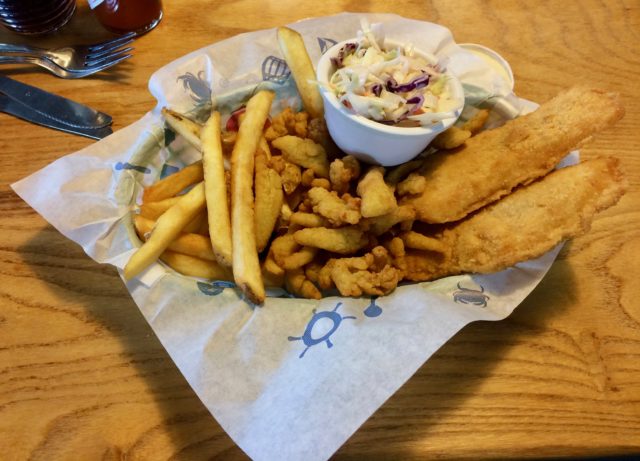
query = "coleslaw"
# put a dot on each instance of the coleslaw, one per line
(393, 85)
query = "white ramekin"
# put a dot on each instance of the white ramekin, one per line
(371, 141)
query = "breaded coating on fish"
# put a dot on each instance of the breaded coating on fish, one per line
(524, 225)
(494, 162)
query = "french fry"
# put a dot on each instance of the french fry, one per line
(268, 201)
(173, 184)
(198, 225)
(246, 266)
(215, 189)
(167, 228)
(264, 146)
(196, 267)
(298, 60)
(185, 127)
(153, 210)
(190, 244)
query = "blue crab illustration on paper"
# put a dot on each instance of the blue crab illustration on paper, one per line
(199, 91)
(128, 166)
(470, 296)
(309, 340)
(275, 70)
(197, 87)
(214, 288)
(373, 310)
(325, 43)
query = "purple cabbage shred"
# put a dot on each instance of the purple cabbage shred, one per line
(419, 82)
(345, 51)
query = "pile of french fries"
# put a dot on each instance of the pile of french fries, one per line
(290, 212)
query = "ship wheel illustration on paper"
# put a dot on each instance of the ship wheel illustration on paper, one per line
(308, 338)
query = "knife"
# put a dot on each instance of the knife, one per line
(43, 108)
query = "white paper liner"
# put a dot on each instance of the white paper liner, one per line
(292, 379)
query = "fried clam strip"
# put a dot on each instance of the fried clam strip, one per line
(371, 274)
(332, 207)
(344, 240)
(342, 172)
(377, 197)
(525, 224)
(411, 185)
(269, 199)
(494, 162)
(381, 224)
(398, 173)
(302, 219)
(303, 152)
(297, 283)
(289, 254)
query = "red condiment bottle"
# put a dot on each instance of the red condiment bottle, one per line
(122, 16)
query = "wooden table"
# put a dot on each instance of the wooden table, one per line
(82, 375)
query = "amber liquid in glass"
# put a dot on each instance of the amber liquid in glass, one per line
(35, 16)
(123, 16)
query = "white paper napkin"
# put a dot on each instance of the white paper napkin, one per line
(292, 379)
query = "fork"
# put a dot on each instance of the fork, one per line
(71, 61)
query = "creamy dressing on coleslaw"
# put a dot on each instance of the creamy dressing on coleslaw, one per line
(391, 85)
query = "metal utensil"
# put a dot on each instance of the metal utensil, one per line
(43, 108)
(74, 61)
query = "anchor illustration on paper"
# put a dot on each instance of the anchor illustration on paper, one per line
(214, 288)
(129, 166)
(309, 340)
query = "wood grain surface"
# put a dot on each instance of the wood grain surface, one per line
(83, 377)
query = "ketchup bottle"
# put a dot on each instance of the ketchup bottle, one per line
(122, 16)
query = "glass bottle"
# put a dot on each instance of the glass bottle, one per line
(122, 16)
(35, 16)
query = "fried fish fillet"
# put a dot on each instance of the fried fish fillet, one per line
(523, 225)
(494, 162)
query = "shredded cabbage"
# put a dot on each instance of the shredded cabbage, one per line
(389, 85)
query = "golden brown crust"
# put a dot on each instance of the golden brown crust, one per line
(494, 162)
(524, 225)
